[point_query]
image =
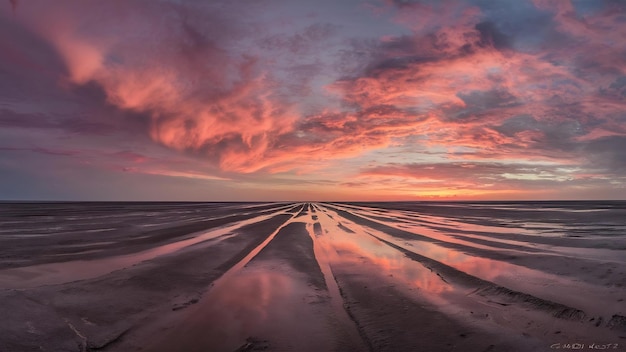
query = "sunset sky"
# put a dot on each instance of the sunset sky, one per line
(312, 100)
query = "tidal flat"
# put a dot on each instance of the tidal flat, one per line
(289, 276)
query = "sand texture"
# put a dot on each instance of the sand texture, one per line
(409, 276)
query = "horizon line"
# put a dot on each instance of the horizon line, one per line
(316, 201)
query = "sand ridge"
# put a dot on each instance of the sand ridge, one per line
(317, 277)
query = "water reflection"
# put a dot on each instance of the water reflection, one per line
(73, 270)
(391, 261)
(259, 303)
(353, 248)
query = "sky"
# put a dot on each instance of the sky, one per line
(326, 100)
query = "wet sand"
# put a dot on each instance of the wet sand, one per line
(313, 276)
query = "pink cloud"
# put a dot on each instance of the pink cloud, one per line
(199, 98)
(471, 86)
(197, 82)
(468, 180)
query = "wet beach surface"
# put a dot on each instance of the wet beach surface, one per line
(405, 276)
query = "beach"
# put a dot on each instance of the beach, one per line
(284, 276)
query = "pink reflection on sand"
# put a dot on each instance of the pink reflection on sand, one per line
(255, 302)
(243, 302)
(344, 248)
(62, 272)
(417, 224)
(566, 290)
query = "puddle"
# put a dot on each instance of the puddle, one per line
(352, 248)
(323, 252)
(58, 273)
(519, 278)
(434, 234)
(258, 304)
(490, 233)
(266, 301)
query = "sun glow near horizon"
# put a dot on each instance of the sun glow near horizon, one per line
(358, 100)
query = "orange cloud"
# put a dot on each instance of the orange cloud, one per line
(455, 86)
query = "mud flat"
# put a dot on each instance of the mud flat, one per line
(313, 276)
